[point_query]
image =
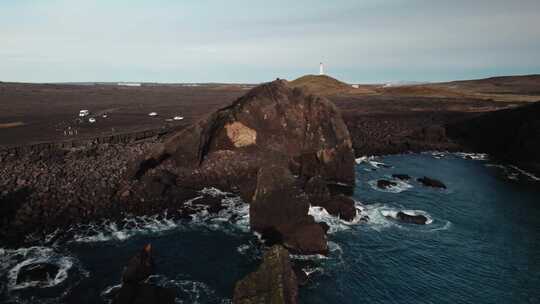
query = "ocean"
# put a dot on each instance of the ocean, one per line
(481, 244)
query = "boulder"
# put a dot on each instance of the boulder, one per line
(274, 282)
(279, 209)
(385, 184)
(431, 182)
(135, 290)
(278, 200)
(305, 238)
(340, 206)
(38, 272)
(412, 219)
(140, 267)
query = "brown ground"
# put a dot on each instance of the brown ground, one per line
(45, 112)
(42, 112)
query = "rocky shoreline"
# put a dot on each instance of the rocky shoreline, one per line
(278, 148)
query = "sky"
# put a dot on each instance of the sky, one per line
(362, 41)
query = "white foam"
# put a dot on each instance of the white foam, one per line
(335, 223)
(383, 216)
(528, 174)
(110, 290)
(370, 160)
(473, 156)
(235, 213)
(399, 187)
(242, 249)
(194, 290)
(109, 231)
(13, 260)
(514, 172)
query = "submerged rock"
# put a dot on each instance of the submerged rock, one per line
(412, 219)
(39, 272)
(430, 182)
(274, 282)
(385, 184)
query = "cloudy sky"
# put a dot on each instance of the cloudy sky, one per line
(254, 41)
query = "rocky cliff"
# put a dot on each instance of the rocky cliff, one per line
(511, 135)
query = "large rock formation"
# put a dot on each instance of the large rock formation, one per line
(271, 124)
(268, 146)
(273, 283)
(280, 206)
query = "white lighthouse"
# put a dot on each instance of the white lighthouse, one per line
(321, 69)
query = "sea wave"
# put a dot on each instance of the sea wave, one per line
(383, 216)
(335, 223)
(472, 156)
(235, 215)
(13, 260)
(371, 160)
(515, 173)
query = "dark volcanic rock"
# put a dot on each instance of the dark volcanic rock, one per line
(271, 124)
(403, 177)
(511, 135)
(317, 190)
(39, 272)
(412, 219)
(341, 206)
(135, 290)
(140, 267)
(385, 184)
(273, 283)
(280, 205)
(430, 182)
(305, 238)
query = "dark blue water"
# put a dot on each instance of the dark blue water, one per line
(482, 246)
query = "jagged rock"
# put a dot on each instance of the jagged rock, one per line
(274, 282)
(39, 272)
(271, 124)
(385, 184)
(279, 205)
(305, 238)
(341, 206)
(140, 267)
(135, 290)
(430, 182)
(317, 190)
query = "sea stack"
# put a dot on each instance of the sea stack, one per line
(265, 147)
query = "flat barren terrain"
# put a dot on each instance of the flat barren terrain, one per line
(32, 113)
